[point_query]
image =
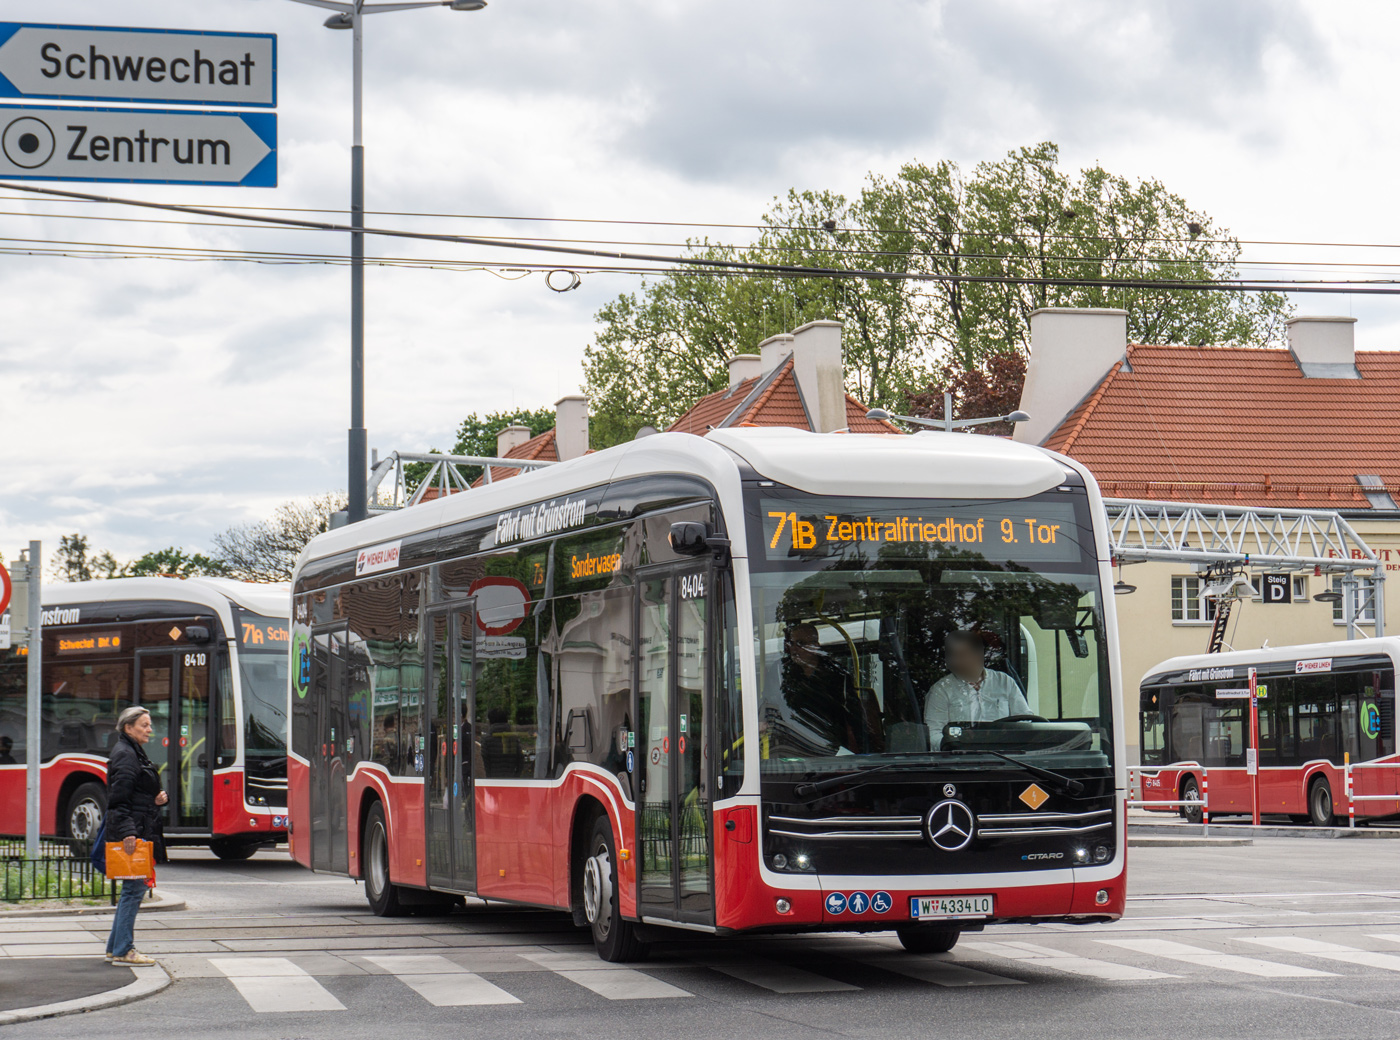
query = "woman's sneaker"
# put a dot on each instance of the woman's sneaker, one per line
(131, 957)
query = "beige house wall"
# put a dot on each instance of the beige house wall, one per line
(1148, 635)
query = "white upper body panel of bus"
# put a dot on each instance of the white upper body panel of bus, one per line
(936, 465)
(272, 599)
(1388, 645)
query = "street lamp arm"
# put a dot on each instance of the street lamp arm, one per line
(386, 8)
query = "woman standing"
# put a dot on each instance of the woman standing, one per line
(134, 798)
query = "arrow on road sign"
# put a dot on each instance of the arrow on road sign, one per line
(164, 66)
(161, 146)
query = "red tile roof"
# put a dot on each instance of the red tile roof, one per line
(778, 403)
(1239, 425)
(540, 446)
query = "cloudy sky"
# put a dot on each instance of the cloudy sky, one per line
(151, 402)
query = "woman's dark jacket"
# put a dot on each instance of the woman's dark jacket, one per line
(132, 786)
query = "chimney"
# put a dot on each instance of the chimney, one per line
(1072, 349)
(817, 364)
(1323, 347)
(510, 438)
(772, 351)
(744, 366)
(571, 426)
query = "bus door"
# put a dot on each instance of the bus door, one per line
(449, 802)
(173, 685)
(330, 685)
(673, 712)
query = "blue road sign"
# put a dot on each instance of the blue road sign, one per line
(157, 66)
(148, 146)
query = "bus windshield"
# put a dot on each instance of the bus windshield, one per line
(262, 673)
(920, 630)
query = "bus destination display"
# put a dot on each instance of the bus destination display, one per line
(1042, 531)
(257, 633)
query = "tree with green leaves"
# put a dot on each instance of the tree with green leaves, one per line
(76, 560)
(947, 267)
(176, 562)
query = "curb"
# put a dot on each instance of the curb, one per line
(161, 901)
(1183, 841)
(1263, 831)
(149, 980)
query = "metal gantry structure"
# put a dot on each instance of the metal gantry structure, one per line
(444, 477)
(1231, 539)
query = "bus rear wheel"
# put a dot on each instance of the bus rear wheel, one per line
(1320, 804)
(614, 939)
(924, 939)
(1191, 792)
(382, 893)
(86, 808)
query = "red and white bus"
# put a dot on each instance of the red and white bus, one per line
(207, 656)
(1319, 705)
(682, 684)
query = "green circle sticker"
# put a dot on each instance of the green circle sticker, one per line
(301, 664)
(1371, 719)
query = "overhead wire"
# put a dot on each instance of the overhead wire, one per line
(1356, 286)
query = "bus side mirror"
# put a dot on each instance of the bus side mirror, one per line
(197, 633)
(692, 538)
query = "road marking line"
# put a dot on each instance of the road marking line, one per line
(275, 984)
(777, 977)
(1328, 951)
(1058, 960)
(441, 982)
(623, 984)
(939, 972)
(1207, 959)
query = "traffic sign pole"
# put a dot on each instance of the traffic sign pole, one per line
(32, 749)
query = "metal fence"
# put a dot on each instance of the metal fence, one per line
(56, 874)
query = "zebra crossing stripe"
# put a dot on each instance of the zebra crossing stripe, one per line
(1328, 951)
(1058, 960)
(939, 972)
(776, 977)
(275, 984)
(442, 982)
(604, 979)
(1209, 959)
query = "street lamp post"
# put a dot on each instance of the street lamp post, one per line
(350, 15)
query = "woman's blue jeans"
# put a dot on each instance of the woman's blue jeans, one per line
(121, 940)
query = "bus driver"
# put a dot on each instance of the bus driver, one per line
(970, 692)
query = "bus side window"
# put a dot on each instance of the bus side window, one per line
(590, 664)
(227, 750)
(1153, 748)
(404, 747)
(1385, 704)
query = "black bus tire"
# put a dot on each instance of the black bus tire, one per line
(86, 808)
(380, 891)
(615, 939)
(232, 850)
(1191, 792)
(1320, 803)
(927, 939)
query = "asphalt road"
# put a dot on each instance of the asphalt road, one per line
(1287, 938)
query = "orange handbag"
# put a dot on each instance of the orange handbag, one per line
(139, 865)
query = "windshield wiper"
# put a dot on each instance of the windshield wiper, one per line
(832, 782)
(1067, 784)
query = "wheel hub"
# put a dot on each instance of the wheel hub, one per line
(83, 823)
(597, 889)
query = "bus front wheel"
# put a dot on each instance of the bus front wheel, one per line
(1191, 792)
(232, 851)
(86, 809)
(923, 939)
(615, 939)
(1320, 804)
(381, 892)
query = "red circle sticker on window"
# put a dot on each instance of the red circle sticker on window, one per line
(666, 744)
(501, 604)
(165, 742)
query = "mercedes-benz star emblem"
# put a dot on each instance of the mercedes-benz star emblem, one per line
(950, 825)
(949, 791)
